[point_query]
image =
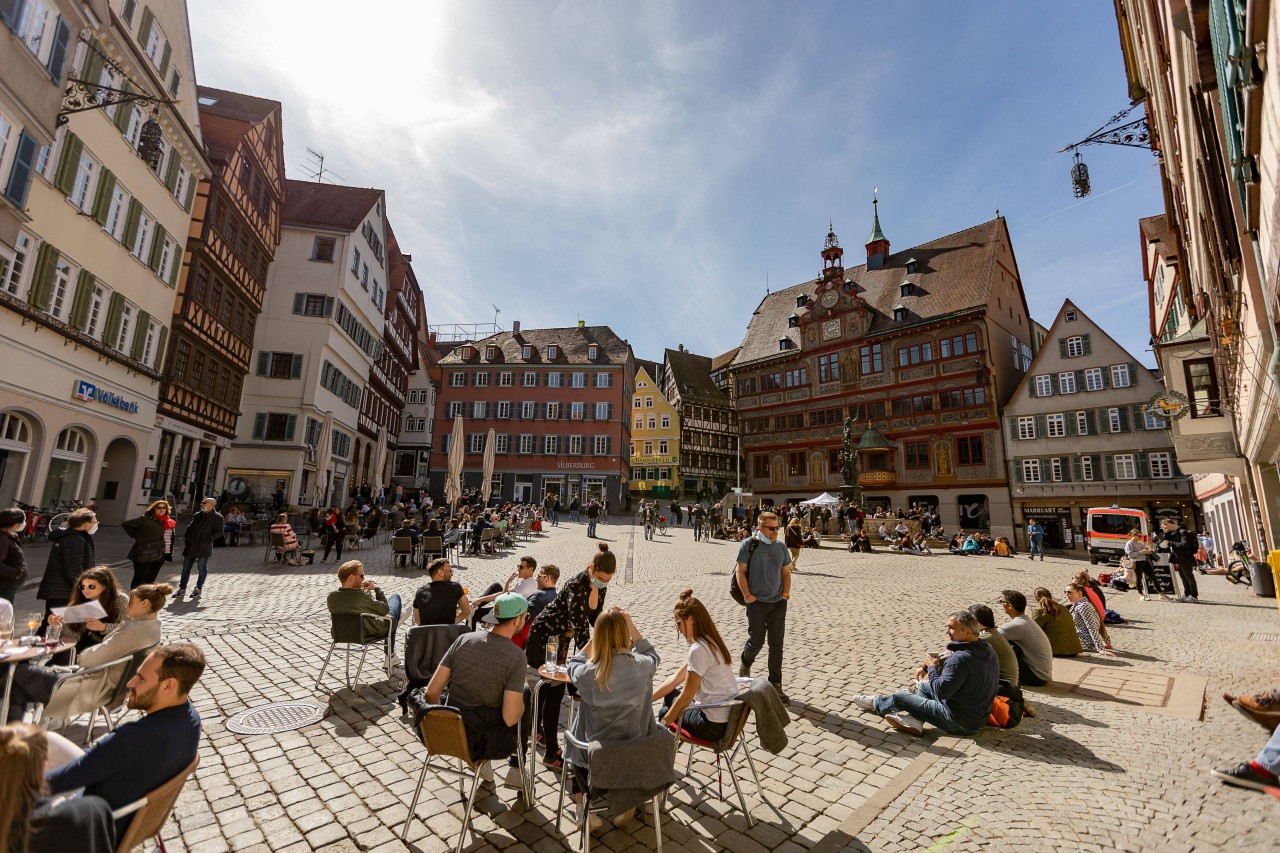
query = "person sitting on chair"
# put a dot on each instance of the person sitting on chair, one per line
(353, 597)
(408, 531)
(135, 758)
(442, 601)
(706, 677)
(292, 550)
(33, 822)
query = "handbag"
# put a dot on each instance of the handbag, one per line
(735, 591)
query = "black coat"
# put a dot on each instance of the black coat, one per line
(1182, 546)
(13, 565)
(203, 529)
(72, 553)
(147, 533)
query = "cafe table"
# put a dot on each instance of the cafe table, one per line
(14, 655)
(543, 676)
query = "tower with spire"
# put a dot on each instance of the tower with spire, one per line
(832, 254)
(877, 243)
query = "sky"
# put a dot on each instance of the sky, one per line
(654, 166)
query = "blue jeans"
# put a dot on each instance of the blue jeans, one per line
(555, 517)
(924, 706)
(697, 530)
(766, 621)
(1270, 755)
(573, 515)
(591, 526)
(393, 610)
(1037, 547)
(186, 571)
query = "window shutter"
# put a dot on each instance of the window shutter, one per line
(1062, 347)
(295, 369)
(299, 302)
(20, 174)
(1065, 462)
(1013, 429)
(165, 57)
(1077, 470)
(171, 174)
(10, 13)
(289, 427)
(1017, 471)
(102, 200)
(1085, 341)
(140, 336)
(1079, 380)
(58, 55)
(80, 304)
(64, 177)
(1124, 419)
(175, 267)
(191, 193)
(124, 112)
(264, 361)
(1041, 428)
(1133, 373)
(157, 248)
(131, 223)
(42, 281)
(1144, 466)
(1054, 387)
(115, 310)
(328, 306)
(1109, 467)
(127, 10)
(1090, 422)
(260, 425)
(1069, 422)
(1106, 377)
(1136, 418)
(161, 337)
(91, 70)
(608, 408)
(1173, 461)
(144, 30)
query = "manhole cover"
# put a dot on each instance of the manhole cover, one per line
(275, 718)
(1265, 638)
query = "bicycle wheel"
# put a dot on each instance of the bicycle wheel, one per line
(58, 522)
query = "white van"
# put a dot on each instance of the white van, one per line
(1107, 529)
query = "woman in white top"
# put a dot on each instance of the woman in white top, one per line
(706, 676)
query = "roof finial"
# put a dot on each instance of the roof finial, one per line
(876, 233)
(832, 242)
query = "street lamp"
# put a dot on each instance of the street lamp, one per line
(1116, 131)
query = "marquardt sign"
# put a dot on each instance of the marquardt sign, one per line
(87, 391)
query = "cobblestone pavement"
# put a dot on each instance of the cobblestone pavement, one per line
(1086, 774)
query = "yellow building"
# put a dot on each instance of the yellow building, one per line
(655, 440)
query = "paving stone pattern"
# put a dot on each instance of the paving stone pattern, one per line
(1086, 774)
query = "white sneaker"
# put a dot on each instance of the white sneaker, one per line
(865, 702)
(1144, 598)
(904, 722)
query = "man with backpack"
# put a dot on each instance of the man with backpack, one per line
(763, 575)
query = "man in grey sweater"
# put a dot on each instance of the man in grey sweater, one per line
(1029, 641)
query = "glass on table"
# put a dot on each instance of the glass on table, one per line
(553, 653)
(33, 622)
(6, 631)
(52, 636)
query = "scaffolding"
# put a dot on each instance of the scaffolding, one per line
(462, 332)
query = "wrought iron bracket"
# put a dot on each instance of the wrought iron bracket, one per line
(82, 96)
(1116, 131)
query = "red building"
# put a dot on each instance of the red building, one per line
(559, 403)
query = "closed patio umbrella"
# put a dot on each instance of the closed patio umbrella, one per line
(486, 485)
(453, 480)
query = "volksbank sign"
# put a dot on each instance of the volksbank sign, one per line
(86, 390)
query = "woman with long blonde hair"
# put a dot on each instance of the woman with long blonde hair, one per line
(29, 822)
(706, 676)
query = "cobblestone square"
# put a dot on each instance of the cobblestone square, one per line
(1091, 772)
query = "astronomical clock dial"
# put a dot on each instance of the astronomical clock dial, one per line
(830, 329)
(830, 298)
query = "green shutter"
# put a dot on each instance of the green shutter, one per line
(131, 224)
(1144, 466)
(1087, 349)
(164, 59)
(144, 30)
(92, 68)
(115, 310)
(1062, 347)
(1065, 462)
(260, 425)
(83, 298)
(1069, 422)
(1133, 373)
(299, 302)
(1013, 429)
(161, 338)
(157, 248)
(191, 193)
(1124, 419)
(175, 266)
(124, 112)
(328, 306)
(42, 281)
(264, 361)
(1077, 470)
(171, 174)
(140, 336)
(64, 177)
(295, 369)
(102, 200)
(1136, 418)
(1041, 427)
(1079, 381)
(1109, 467)
(289, 427)
(1017, 471)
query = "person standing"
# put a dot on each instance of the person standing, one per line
(675, 512)
(764, 576)
(332, 531)
(1035, 539)
(197, 545)
(13, 564)
(794, 538)
(1181, 545)
(72, 553)
(593, 517)
(699, 515)
(152, 535)
(1139, 553)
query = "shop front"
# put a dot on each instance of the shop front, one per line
(185, 463)
(1062, 524)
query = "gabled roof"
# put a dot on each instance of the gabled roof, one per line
(954, 274)
(724, 359)
(691, 374)
(1156, 230)
(572, 341)
(224, 122)
(327, 205)
(649, 367)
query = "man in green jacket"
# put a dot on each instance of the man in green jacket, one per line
(353, 596)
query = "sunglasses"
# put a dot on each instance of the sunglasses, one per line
(88, 586)
(767, 527)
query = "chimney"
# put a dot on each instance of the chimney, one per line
(515, 327)
(582, 324)
(680, 347)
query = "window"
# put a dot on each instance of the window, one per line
(1026, 427)
(577, 380)
(915, 354)
(1113, 420)
(1057, 426)
(577, 411)
(1055, 469)
(652, 422)
(275, 426)
(1125, 467)
(772, 381)
(747, 386)
(957, 345)
(12, 282)
(1082, 423)
(490, 353)
(958, 398)
(1093, 379)
(639, 423)
(829, 367)
(600, 445)
(526, 352)
(506, 379)
(355, 261)
(482, 379)
(666, 421)
(1120, 376)
(872, 360)
(1031, 470)
(475, 442)
(1070, 316)
(555, 380)
(1154, 421)
(603, 411)
(364, 276)
(502, 444)
(575, 445)
(969, 450)
(593, 352)
(797, 377)
(1044, 386)
(311, 304)
(899, 313)
(97, 298)
(58, 302)
(457, 379)
(168, 253)
(604, 380)
(553, 352)
(648, 401)
(1161, 465)
(912, 405)
(916, 454)
(479, 409)
(1086, 467)
(455, 409)
(528, 410)
(795, 462)
(1075, 347)
(1202, 388)
(80, 184)
(1067, 382)
(648, 448)
(279, 365)
(504, 410)
(664, 448)
(525, 444)
(322, 249)
(529, 380)
(142, 237)
(1026, 357)
(116, 211)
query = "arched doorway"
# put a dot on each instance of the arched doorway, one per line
(16, 435)
(66, 468)
(119, 464)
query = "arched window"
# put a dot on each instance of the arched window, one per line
(66, 467)
(71, 444)
(15, 451)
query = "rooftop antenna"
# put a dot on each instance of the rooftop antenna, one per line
(315, 170)
(496, 312)
(995, 200)
(766, 281)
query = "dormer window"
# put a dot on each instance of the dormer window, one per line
(784, 344)
(1071, 316)
(552, 352)
(793, 321)
(802, 301)
(905, 290)
(593, 352)
(526, 353)
(490, 353)
(899, 313)
(912, 266)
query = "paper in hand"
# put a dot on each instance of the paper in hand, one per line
(79, 613)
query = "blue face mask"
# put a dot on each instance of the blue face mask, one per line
(599, 584)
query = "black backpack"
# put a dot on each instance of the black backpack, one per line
(734, 590)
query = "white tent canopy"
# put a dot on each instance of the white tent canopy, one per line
(824, 499)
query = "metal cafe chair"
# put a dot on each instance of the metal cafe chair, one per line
(348, 632)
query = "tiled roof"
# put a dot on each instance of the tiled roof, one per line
(246, 108)
(724, 359)
(327, 205)
(954, 274)
(1156, 230)
(692, 376)
(572, 343)
(650, 367)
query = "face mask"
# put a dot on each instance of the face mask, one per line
(93, 528)
(760, 535)
(599, 584)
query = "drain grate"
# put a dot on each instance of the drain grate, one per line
(1265, 638)
(276, 718)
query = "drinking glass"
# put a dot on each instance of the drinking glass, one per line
(52, 636)
(33, 622)
(553, 652)
(6, 631)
